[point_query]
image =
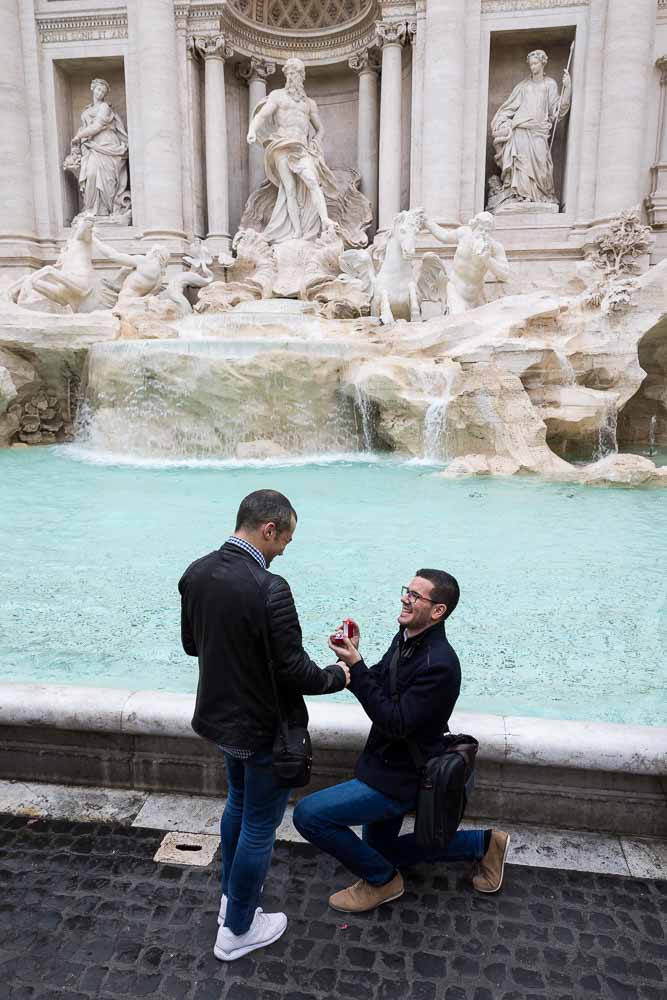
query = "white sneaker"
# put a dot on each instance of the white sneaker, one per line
(264, 930)
(223, 908)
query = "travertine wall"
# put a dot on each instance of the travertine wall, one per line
(459, 59)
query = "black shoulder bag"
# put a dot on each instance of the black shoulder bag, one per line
(292, 749)
(442, 798)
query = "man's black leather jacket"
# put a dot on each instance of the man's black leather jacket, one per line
(226, 601)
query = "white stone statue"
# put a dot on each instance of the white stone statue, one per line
(522, 131)
(99, 158)
(393, 291)
(288, 125)
(142, 274)
(250, 275)
(70, 283)
(476, 254)
(176, 286)
(339, 295)
(198, 258)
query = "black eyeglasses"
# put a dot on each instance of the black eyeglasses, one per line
(413, 596)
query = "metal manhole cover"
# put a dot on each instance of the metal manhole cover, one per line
(187, 849)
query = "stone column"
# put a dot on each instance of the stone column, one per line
(17, 210)
(256, 72)
(628, 46)
(366, 65)
(197, 129)
(418, 45)
(215, 50)
(587, 162)
(182, 43)
(444, 100)
(390, 38)
(152, 24)
(657, 200)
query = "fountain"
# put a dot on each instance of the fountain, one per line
(651, 434)
(607, 439)
(369, 383)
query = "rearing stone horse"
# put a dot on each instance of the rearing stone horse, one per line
(71, 281)
(394, 291)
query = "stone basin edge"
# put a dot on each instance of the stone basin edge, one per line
(504, 739)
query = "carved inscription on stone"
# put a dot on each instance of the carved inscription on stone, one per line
(82, 29)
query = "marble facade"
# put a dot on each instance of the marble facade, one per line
(407, 91)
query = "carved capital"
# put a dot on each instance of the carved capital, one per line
(412, 32)
(366, 61)
(390, 33)
(256, 69)
(213, 47)
(661, 63)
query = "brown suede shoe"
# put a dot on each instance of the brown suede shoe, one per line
(492, 865)
(363, 896)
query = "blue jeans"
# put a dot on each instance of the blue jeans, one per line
(324, 818)
(255, 808)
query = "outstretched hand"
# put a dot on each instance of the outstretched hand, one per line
(346, 651)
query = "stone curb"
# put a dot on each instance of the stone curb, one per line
(593, 746)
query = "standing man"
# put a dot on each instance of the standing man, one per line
(231, 606)
(386, 780)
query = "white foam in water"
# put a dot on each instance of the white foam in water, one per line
(81, 453)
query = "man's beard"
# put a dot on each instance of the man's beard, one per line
(295, 88)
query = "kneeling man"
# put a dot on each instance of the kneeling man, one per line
(386, 781)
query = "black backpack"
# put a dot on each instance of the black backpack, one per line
(442, 799)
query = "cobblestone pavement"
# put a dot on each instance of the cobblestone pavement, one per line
(86, 912)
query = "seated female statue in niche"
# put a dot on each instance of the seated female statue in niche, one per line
(522, 130)
(99, 159)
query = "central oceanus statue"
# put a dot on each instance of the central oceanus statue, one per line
(302, 197)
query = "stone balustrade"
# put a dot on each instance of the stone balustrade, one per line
(577, 775)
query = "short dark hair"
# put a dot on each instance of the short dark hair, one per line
(445, 588)
(263, 506)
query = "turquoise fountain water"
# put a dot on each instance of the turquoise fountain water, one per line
(564, 594)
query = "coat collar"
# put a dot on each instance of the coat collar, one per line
(408, 645)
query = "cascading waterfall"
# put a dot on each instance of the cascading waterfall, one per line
(202, 399)
(247, 391)
(652, 425)
(435, 421)
(364, 408)
(607, 438)
(435, 417)
(569, 374)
